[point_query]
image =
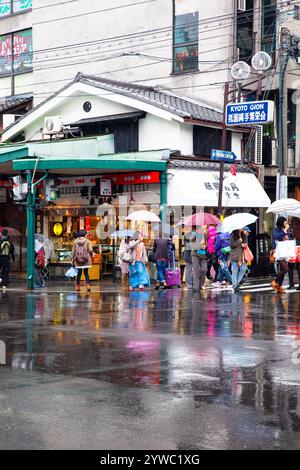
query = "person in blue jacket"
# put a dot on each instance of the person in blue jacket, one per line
(222, 247)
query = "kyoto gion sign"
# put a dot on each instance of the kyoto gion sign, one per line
(253, 112)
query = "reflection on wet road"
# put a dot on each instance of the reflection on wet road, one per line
(150, 370)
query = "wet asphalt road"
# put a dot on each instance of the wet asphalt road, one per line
(149, 370)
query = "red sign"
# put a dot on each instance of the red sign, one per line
(6, 184)
(150, 177)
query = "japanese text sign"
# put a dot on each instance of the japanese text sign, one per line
(254, 112)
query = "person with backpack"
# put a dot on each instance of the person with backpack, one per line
(82, 258)
(222, 247)
(7, 254)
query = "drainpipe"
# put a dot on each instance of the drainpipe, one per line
(163, 196)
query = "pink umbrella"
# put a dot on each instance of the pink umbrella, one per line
(200, 219)
(12, 232)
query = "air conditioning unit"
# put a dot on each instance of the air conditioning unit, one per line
(53, 125)
(242, 5)
(258, 150)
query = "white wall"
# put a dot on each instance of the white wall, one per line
(54, 68)
(156, 134)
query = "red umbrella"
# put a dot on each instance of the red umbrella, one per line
(200, 219)
(12, 232)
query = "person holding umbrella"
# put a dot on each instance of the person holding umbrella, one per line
(199, 261)
(281, 233)
(125, 257)
(138, 274)
(237, 257)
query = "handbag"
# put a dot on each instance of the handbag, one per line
(72, 272)
(248, 254)
(286, 250)
(126, 256)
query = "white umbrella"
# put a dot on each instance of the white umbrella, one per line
(284, 205)
(294, 213)
(236, 222)
(143, 216)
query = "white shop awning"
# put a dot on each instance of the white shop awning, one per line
(200, 188)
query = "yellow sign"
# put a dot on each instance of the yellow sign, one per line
(58, 229)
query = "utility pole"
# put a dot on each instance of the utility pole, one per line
(284, 54)
(223, 147)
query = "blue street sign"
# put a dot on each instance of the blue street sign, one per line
(222, 156)
(253, 112)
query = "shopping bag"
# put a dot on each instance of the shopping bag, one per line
(72, 272)
(286, 250)
(248, 254)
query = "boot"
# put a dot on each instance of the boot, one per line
(124, 281)
(77, 287)
(88, 288)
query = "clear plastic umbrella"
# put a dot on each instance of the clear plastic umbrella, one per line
(236, 222)
(284, 205)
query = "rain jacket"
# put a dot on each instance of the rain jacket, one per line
(211, 239)
(279, 235)
(223, 241)
(237, 252)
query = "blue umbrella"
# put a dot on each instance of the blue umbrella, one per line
(123, 233)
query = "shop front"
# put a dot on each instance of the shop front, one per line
(99, 205)
(194, 187)
(98, 202)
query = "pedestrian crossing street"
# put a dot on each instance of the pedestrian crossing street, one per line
(256, 286)
(264, 287)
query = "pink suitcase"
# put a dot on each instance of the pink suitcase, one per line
(173, 277)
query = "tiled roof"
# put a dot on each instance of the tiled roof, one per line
(209, 166)
(9, 103)
(182, 107)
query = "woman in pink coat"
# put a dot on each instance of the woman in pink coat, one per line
(211, 252)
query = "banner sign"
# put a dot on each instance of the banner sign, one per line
(254, 112)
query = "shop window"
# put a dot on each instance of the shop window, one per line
(8, 7)
(186, 39)
(16, 53)
(269, 22)
(245, 32)
(207, 139)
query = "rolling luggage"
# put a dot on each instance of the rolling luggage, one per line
(173, 275)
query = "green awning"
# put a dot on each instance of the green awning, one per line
(9, 154)
(114, 164)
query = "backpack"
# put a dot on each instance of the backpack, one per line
(226, 250)
(5, 248)
(81, 253)
(40, 260)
